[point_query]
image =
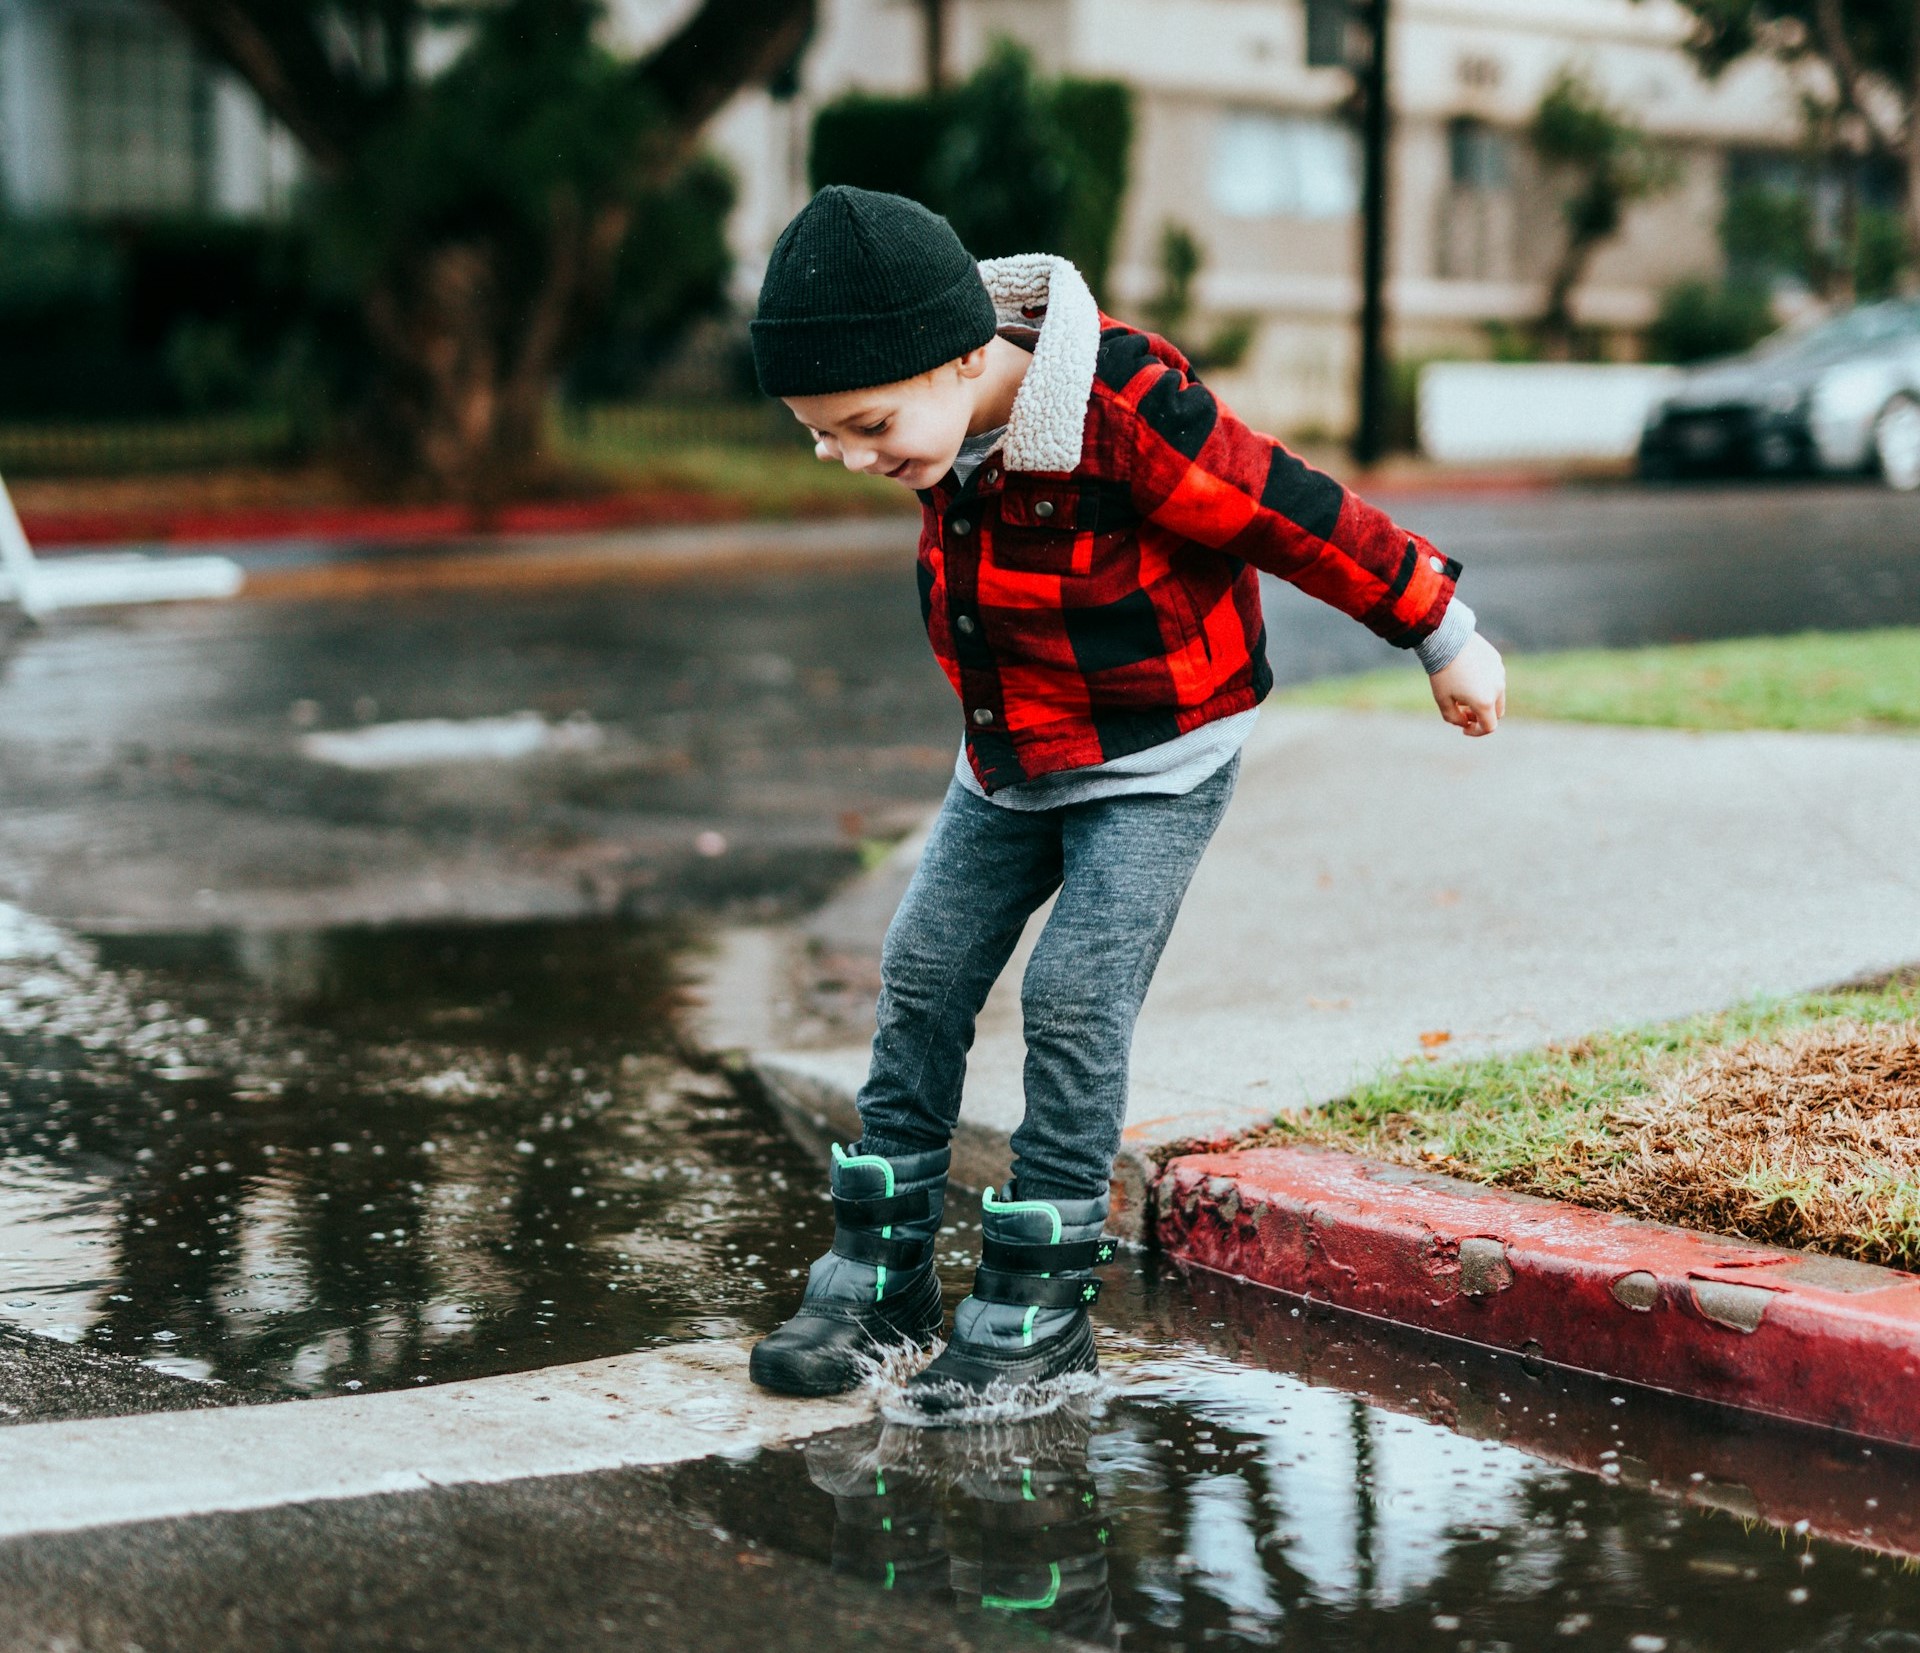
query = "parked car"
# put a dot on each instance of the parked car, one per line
(1840, 396)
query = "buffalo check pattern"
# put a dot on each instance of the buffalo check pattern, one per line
(1086, 613)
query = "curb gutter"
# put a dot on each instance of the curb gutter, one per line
(1790, 1334)
(1793, 1478)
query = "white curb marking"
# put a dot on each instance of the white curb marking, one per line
(660, 1407)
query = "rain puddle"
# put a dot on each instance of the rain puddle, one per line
(359, 1159)
(1259, 1475)
(315, 1162)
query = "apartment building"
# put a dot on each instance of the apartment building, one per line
(1242, 139)
(105, 108)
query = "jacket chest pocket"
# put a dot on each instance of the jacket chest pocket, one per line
(1051, 528)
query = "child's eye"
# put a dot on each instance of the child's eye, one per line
(875, 430)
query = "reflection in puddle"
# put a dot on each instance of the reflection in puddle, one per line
(363, 1159)
(368, 1158)
(1354, 1489)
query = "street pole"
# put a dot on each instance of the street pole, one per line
(1370, 430)
(933, 16)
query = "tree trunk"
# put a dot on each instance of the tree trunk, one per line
(466, 371)
(1555, 330)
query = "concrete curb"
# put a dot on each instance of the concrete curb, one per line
(657, 1407)
(1793, 1335)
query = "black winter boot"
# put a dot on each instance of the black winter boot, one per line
(1025, 1322)
(876, 1288)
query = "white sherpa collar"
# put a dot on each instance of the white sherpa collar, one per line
(1050, 407)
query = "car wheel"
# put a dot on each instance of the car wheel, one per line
(1896, 443)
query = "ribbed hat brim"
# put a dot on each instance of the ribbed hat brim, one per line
(821, 355)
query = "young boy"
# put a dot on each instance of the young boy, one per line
(1092, 526)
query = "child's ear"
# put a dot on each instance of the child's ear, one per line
(973, 363)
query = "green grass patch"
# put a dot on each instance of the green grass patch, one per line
(1666, 1121)
(1831, 681)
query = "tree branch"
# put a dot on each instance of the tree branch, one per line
(274, 47)
(725, 45)
(1831, 26)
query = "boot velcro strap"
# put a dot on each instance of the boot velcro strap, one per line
(859, 1245)
(991, 1285)
(1046, 1259)
(914, 1206)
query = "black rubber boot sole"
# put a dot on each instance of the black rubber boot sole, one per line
(963, 1374)
(826, 1347)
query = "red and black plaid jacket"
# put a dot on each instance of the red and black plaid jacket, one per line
(1082, 615)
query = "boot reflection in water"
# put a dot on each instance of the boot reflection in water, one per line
(886, 1516)
(1007, 1516)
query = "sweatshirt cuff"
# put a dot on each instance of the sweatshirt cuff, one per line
(1443, 644)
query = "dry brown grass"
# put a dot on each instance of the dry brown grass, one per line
(1795, 1124)
(1809, 1140)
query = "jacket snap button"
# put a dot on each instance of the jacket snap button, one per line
(1043, 509)
(965, 623)
(1437, 564)
(991, 476)
(961, 525)
(982, 715)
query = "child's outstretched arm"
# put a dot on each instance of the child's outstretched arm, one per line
(1198, 469)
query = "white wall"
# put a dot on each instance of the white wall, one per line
(1477, 412)
(33, 133)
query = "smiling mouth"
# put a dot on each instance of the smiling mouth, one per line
(899, 469)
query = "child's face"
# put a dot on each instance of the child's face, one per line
(908, 432)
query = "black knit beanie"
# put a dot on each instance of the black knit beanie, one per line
(863, 289)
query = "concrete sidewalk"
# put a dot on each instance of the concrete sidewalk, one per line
(1383, 890)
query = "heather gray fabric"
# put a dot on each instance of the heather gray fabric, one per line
(1122, 866)
(1172, 767)
(1442, 646)
(973, 452)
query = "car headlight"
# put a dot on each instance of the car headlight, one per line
(1850, 392)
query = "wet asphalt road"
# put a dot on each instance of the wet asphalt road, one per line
(781, 718)
(759, 733)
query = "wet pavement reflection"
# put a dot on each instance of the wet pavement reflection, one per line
(367, 1158)
(1258, 1475)
(328, 1161)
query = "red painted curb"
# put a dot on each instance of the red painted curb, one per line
(381, 522)
(1790, 1334)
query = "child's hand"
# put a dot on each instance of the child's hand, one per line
(1472, 692)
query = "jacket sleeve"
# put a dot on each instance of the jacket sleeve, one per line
(1196, 469)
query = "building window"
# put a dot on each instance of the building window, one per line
(1327, 25)
(1480, 157)
(1284, 166)
(138, 115)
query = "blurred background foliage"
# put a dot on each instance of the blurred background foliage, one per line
(533, 213)
(1016, 163)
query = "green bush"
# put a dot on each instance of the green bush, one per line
(1772, 230)
(1016, 164)
(1701, 319)
(139, 320)
(668, 277)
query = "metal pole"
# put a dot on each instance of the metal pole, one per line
(934, 18)
(1370, 431)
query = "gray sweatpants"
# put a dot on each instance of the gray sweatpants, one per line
(1122, 866)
